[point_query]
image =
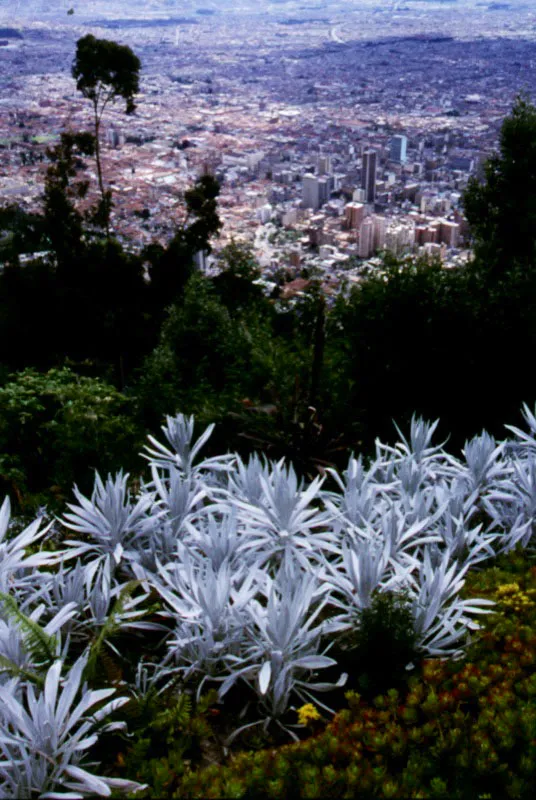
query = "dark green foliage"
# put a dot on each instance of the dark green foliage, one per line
(49, 312)
(28, 326)
(166, 733)
(235, 284)
(20, 232)
(86, 298)
(116, 326)
(200, 356)
(97, 650)
(172, 266)
(39, 645)
(105, 70)
(236, 359)
(291, 416)
(56, 425)
(502, 209)
(376, 652)
(203, 221)
(407, 342)
(63, 222)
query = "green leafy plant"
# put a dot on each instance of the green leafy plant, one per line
(383, 643)
(170, 733)
(98, 656)
(56, 424)
(40, 644)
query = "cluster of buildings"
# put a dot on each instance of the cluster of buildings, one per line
(416, 232)
(334, 138)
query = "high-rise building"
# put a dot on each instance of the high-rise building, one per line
(323, 165)
(324, 190)
(368, 175)
(397, 150)
(310, 192)
(200, 260)
(115, 138)
(420, 234)
(380, 232)
(366, 237)
(355, 214)
(449, 233)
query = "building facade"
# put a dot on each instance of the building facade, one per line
(397, 149)
(368, 175)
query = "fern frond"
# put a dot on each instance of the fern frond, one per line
(40, 645)
(176, 717)
(7, 665)
(111, 627)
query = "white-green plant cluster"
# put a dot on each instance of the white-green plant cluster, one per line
(257, 574)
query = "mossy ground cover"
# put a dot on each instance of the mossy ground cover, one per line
(461, 729)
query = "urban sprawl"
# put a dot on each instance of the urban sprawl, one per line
(337, 131)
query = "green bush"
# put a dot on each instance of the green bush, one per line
(57, 424)
(381, 645)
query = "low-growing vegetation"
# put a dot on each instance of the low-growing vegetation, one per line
(227, 630)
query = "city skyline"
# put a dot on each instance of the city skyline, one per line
(280, 101)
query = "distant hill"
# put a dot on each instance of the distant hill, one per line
(146, 23)
(10, 33)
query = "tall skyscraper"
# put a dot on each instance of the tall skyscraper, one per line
(323, 165)
(449, 233)
(310, 192)
(323, 190)
(366, 238)
(397, 150)
(368, 175)
(380, 232)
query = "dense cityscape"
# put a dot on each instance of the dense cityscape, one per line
(336, 132)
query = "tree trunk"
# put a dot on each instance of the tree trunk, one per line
(318, 351)
(99, 174)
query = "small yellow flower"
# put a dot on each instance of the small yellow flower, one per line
(511, 596)
(508, 588)
(307, 713)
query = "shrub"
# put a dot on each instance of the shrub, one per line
(377, 652)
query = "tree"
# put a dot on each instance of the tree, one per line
(105, 71)
(235, 283)
(410, 340)
(197, 353)
(63, 221)
(115, 294)
(203, 221)
(171, 267)
(501, 209)
(20, 232)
